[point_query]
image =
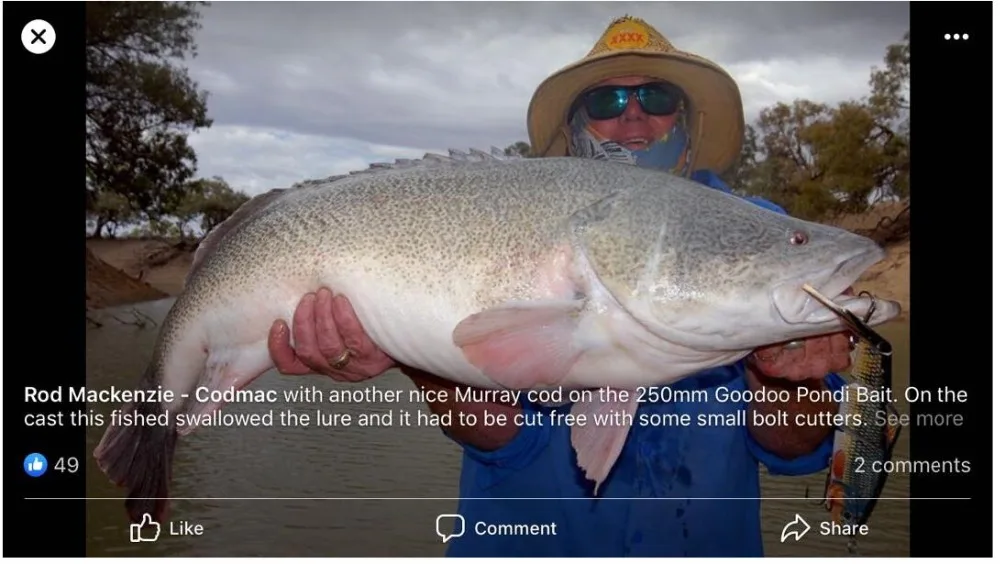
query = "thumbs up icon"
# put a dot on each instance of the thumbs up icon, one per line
(135, 530)
(35, 464)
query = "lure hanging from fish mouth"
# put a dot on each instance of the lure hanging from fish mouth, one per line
(859, 328)
(851, 491)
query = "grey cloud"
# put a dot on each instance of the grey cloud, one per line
(756, 28)
(461, 73)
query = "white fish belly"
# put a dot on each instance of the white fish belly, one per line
(416, 330)
(225, 346)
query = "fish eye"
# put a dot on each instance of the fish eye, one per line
(798, 238)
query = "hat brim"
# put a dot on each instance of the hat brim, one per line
(710, 90)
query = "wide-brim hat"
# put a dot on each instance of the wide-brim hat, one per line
(628, 47)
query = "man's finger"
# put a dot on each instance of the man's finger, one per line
(796, 372)
(818, 348)
(820, 366)
(304, 327)
(840, 363)
(840, 344)
(790, 363)
(282, 353)
(328, 339)
(351, 331)
(818, 357)
(770, 359)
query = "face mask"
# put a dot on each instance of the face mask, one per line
(670, 153)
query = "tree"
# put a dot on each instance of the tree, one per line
(816, 159)
(140, 108)
(740, 175)
(108, 212)
(207, 201)
(890, 105)
(518, 148)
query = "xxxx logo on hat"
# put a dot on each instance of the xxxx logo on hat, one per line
(627, 34)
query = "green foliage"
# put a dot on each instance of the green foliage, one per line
(109, 211)
(207, 203)
(519, 148)
(816, 160)
(140, 108)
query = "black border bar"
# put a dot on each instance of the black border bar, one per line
(45, 101)
(951, 162)
(951, 165)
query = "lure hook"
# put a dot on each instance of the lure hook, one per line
(819, 501)
(868, 315)
(871, 306)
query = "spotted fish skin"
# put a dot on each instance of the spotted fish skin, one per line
(493, 272)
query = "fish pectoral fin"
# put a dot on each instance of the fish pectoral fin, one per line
(599, 441)
(227, 369)
(522, 345)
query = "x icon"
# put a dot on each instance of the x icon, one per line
(38, 37)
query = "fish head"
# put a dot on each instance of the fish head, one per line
(742, 287)
(710, 271)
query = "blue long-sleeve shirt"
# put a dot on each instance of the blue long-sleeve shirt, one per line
(674, 491)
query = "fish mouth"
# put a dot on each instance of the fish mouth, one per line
(795, 306)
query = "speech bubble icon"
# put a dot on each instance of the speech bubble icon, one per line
(444, 532)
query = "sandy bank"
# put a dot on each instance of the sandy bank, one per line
(108, 286)
(155, 263)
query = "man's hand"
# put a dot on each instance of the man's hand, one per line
(808, 359)
(790, 365)
(325, 326)
(329, 340)
(804, 365)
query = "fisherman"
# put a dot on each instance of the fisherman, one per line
(637, 99)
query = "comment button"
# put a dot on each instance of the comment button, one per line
(449, 526)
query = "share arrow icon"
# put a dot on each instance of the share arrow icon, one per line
(795, 528)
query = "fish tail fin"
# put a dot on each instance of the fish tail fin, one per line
(139, 456)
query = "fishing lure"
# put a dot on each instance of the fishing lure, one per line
(855, 479)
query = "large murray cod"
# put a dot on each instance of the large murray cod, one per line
(498, 273)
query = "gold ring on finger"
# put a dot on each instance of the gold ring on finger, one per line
(342, 360)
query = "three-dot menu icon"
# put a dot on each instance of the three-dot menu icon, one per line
(956, 36)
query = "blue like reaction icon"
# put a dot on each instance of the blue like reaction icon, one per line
(35, 464)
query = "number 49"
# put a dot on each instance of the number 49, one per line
(70, 464)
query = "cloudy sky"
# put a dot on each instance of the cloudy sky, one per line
(306, 90)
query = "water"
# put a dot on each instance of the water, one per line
(400, 463)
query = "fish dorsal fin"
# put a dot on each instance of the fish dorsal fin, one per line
(428, 161)
(258, 203)
(215, 236)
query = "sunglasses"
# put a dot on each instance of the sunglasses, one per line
(609, 102)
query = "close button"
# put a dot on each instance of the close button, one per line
(38, 37)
